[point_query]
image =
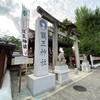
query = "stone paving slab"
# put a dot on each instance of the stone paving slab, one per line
(91, 83)
(65, 92)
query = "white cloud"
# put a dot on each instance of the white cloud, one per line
(11, 11)
(7, 27)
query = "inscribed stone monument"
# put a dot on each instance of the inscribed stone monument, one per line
(37, 82)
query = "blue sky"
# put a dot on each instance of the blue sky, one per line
(10, 12)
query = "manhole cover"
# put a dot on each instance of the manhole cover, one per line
(79, 88)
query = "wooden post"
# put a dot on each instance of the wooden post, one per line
(26, 69)
(20, 75)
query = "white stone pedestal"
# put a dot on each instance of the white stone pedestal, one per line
(41, 84)
(62, 67)
(86, 66)
(76, 71)
(62, 74)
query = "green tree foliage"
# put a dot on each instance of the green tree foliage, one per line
(88, 25)
(12, 39)
(65, 21)
(68, 51)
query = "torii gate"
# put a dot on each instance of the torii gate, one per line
(57, 24)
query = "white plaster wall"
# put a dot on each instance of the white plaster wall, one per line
(5, 91)
(96, 65)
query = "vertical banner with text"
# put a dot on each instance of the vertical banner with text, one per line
(25, 29)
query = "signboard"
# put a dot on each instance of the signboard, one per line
(41, 48)
(21, 60)
(25, 29)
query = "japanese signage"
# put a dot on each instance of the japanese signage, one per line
(21, 60)
(25, 29)
(41, 48)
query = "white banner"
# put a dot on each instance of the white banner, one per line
(25, 29)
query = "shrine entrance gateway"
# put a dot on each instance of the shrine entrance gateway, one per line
(57, 24)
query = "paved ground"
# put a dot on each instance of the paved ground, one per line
(91, 81)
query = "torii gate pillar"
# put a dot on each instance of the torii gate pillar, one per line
(77, 53)
(55, 44)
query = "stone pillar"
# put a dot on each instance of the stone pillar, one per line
(41, 81)
(77, 53)
(41, 48)
(91, 59)
(55, 44)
